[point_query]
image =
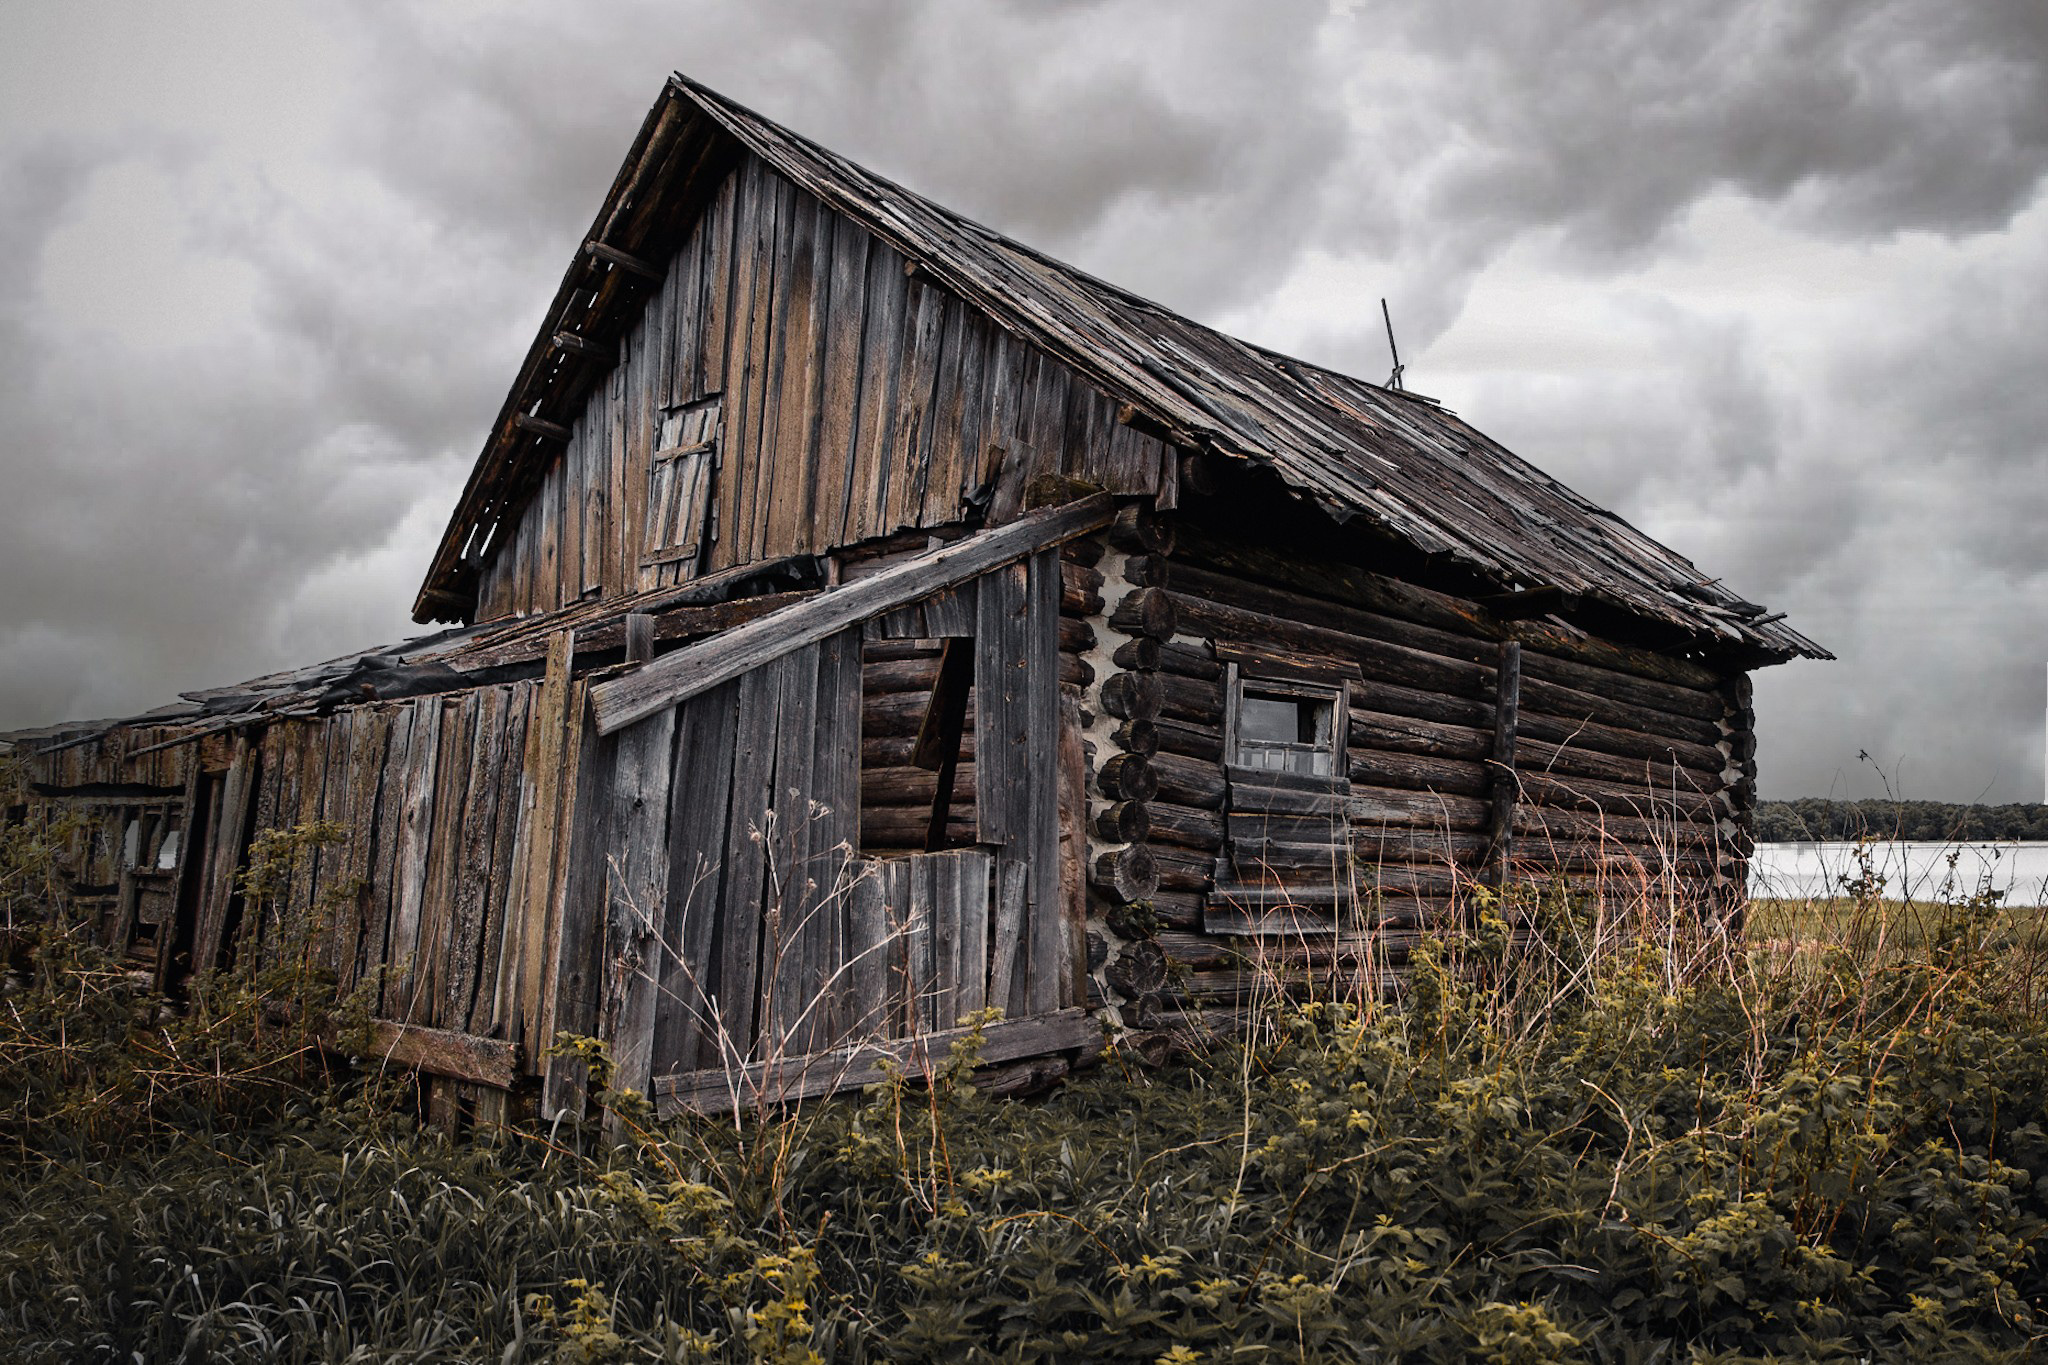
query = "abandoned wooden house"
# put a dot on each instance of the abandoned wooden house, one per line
(860, 619)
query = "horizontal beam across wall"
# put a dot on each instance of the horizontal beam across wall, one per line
(686, 673)
(848, 1068)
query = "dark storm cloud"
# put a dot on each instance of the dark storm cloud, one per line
(1870, 115)
(233, 448)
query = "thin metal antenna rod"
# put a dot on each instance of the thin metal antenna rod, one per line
(1394, 379)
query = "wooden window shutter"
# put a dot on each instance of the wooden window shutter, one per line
(679, 481)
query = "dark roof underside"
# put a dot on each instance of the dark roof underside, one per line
(1400, 463)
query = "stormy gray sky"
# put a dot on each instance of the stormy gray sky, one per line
(1768, 278)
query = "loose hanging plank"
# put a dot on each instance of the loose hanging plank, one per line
(688, 672)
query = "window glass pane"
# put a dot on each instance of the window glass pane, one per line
(1270, 720)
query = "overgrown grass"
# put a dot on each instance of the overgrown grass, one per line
(1631, 1143)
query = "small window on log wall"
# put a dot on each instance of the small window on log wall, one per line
(679, 479)
(1286, 794)
(1287, 728)
(917, 746)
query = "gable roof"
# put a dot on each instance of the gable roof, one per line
(1396, 461)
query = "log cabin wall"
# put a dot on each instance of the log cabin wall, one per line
(1623, 769)
(840, 396)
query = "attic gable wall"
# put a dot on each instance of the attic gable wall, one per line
(857, 399)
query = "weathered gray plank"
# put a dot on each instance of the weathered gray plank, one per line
(688, 672)
(1006, 975)
(789, 1079)
(414, 838)
(736, 995)
(1041, 641)
(636, 854)
(697, 829)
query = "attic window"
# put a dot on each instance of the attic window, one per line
(1286, 727)
(679, 479)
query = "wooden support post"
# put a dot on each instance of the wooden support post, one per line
(1506, 786)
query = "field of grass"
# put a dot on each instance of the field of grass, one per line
(1633, 1143)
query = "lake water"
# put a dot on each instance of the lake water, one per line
(1911, 870)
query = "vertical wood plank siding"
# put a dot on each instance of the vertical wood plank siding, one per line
(859, 399)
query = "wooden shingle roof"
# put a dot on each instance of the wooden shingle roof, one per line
(1395, 461)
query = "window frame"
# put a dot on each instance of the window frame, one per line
(1334, 695)
(681, 471)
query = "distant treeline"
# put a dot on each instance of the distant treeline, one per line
(1814, 817)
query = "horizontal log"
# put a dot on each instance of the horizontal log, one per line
(1187, 781)
(894, 751)
(1132, 696)
(1190, 700)
(1140, 737)
(1125, 874)
(1674, 836)
(1375, 660)
(1427, 606)
(1190, 741)
(914, 674)
(1190, 660)
(1473, 647)
(905, 828)
(891, 714)
(1328, 829)
(1408, 880)
(1138, 655)
(911, 786)
(1126, 777)
(1255, 789)
(1378, 768)
(1080, 589)
(1573, 761)
(1140, 530)
(1425, 810)
(1149, 612)
(1177, 909)
(1076, 671)
(1554, 700)
(1324, 861)
(1076, 637)
(1592, 794)
(1408, 735)
(1393, 699)
(1419, 846)
(1533, 724)
(1183, 869)
(1185, 826)
(1123, 822)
